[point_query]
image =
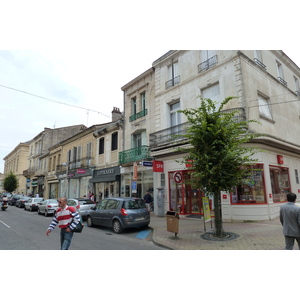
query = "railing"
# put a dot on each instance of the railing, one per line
(205, 65)
(168, 135)
(134, 154)
(140, 114)
(173, 81)
(172, 135)
(259, 63)
(281, 80)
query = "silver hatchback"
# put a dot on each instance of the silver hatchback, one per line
(82, 205)
(119, 213)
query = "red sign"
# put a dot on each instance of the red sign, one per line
(158, 166)
(178, 177)
(81, 171)
(189, 163)
(280, 159)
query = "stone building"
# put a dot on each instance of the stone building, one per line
(266, 86)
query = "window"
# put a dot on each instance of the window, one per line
(297, 86)
(296, 176)
(264, 108)
(133, 106)
(88, 153)
(143, 100)
(175, 114)
(101, 145)
(280, 183)
(114, 141)
(173, 75)
(280, 73)
(208, 59)
(137, 140)
(252, 190)
(213, 93)
(258, 58)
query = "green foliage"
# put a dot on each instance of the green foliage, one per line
(218, 154)
(218, 151)
(10, 182)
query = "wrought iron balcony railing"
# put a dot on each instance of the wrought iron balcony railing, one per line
(173, 81)
(134, 154)
(282, 81)
(172, 135)
(140, 114)
(259, 63)
(205, 65)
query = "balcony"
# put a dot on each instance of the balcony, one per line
(134, 154)
(207, 64)
(168, 136)
(172, 136)
(259, 63)
(282, 81)
(140, 114)
(173, 81)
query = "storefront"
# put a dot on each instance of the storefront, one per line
(52, 186)
(106, 183)
(78, 183)
(259, 197)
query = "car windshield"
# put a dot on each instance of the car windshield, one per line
(134, 204)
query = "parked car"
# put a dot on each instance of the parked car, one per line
(13, 199)
(47, 206)
(82, 205)
(31, 204)
(21, 202)
(119, 213)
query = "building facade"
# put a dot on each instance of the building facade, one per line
(37, 159)
(16, 162)
(266, 87)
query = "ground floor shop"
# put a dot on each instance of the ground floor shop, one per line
(259, 197)
(106, 183)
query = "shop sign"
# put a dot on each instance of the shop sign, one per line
(189, 163)
(133, 186)
(81, 171)
(158, 166)
(135, 171)
(280, 159)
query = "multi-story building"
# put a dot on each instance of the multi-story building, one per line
(139, 118)
(86, 162)
(16, 162)
(38, 155)
(266, 87)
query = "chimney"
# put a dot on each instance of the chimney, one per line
(116, 114)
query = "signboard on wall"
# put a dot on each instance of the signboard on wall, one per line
(158, 166)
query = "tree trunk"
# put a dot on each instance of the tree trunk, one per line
(218, 214)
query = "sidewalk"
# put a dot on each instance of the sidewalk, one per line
(254, 235)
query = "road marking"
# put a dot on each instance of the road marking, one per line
(4, 224)
(143, 234)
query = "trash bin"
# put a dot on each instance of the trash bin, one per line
(172, 218)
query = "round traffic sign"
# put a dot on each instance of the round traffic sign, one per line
(178, 177)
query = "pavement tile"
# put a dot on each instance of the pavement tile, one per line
(256, 235)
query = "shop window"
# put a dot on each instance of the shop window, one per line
(280, 183)
(252, 190)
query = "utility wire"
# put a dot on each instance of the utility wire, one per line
(51, 100)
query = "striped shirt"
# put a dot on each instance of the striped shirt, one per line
(67, 217)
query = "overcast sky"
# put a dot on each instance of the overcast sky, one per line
(90, 51)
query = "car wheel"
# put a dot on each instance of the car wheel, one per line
(117, 227)
(89, 221)
(39, 211)
(30, 209)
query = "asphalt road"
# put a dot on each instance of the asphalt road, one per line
(24, 230)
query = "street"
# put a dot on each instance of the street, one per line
(24, 230)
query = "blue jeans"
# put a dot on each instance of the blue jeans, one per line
(65, 239)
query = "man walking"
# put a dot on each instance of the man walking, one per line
(290, 220)
(67, 219)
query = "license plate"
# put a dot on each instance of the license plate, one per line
(4, 205)
(139, 219)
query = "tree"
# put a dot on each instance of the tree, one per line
(10, 182)
(218, 154)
